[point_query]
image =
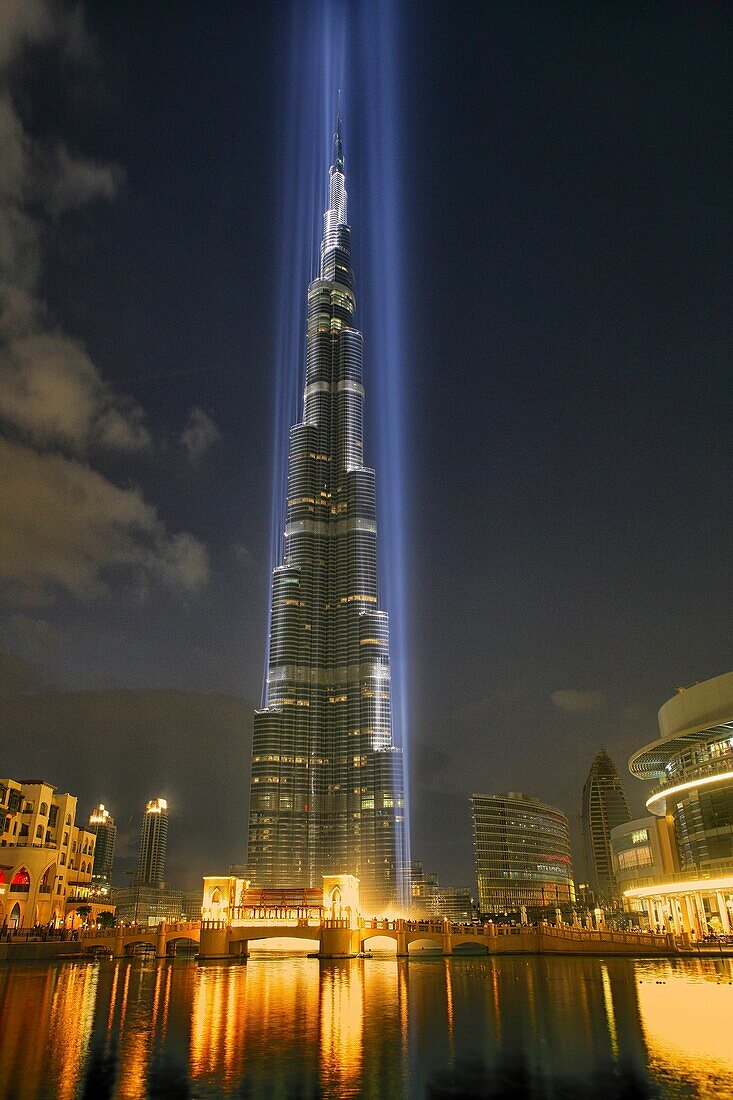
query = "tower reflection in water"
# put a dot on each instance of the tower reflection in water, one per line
(434, 1027)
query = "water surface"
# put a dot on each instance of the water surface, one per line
(282, 1027)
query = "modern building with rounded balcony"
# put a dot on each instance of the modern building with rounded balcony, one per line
(692, 767)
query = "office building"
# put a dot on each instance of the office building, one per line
(102, 824)
(605, 806)
(153, 843)
(691, 765)
(327, 780)
(522, 852)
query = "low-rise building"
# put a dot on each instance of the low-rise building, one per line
(642, 852)
(430, 899)
(46, 859)
(139, 904)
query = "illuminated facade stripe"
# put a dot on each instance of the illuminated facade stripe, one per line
(657, 803)
(684, 886)
(327, 785)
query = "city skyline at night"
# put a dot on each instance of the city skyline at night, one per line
(552, 183)
(366, 704)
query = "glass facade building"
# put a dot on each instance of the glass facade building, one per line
(102, 824)
(327, 786)
(153, 844)
(692, 764)
(522, 852)
(605, 806)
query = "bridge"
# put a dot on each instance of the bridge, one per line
(235, 915)
(334, 938)
(124, 939)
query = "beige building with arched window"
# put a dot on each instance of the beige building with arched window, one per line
(46, 859)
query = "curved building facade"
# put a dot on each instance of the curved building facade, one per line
(692, 766)
(522, 852)
(326, 791)
(605, 806)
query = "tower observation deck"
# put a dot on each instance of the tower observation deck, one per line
(327, 783)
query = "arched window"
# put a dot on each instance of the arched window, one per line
(216, 897)
(73, 846)
(14, 919)
(68, 819)
(39, 832)
(20, 882)
(44, 810)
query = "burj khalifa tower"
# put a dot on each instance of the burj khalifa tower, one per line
(327, 784)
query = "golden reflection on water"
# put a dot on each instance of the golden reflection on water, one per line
(280, 1027)
(687, 1016)
(342, 1026)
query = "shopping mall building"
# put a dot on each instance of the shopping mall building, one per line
(677, 864)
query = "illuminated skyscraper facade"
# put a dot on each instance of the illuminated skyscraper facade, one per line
(605, 806)
(327, 787)
(102, 824)
(153, 844)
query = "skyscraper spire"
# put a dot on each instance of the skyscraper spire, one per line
(327, 792)
(338, 149)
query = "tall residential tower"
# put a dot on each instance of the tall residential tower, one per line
(102, 824)
(327, 780)
(153, 844)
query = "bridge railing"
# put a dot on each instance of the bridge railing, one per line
(303, 915)
(127, 930)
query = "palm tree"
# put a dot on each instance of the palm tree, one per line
(84, 912)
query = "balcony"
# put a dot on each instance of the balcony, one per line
(700, 775)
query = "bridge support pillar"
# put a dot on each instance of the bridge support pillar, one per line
(402, 951)
(447, 943)
(160, 944)
(214, 942)
(338, 943)
(119, 947)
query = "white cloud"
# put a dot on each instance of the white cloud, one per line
(64, 526)
(579, 702)
(199, 434)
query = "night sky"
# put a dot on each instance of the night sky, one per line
(565, 187)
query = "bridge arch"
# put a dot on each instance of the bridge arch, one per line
(468, 944)
(378, 933)
(420, 941)
(140, 941)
